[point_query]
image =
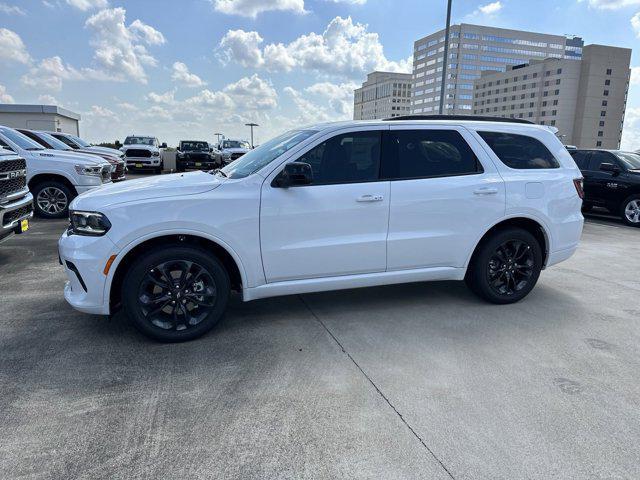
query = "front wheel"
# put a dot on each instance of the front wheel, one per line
(506, 266)
(630, 211)
(51, 199)
(175, 293)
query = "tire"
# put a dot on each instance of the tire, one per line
(179, 168)
(51, 199)
(157, 170)
(490, 270)
(630, 211)
(192, 320)
(586, 208)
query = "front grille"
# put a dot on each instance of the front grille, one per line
(14, 215)
(12, 185)
(13, 165)
(235, 156)
(134, 152)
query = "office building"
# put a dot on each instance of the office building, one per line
(382, 95)
(585, 99)
(472, 50)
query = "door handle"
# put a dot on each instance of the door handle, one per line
(370, 198)
(485, 191)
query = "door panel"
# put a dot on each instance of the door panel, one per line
(436, 221)
(324, 230)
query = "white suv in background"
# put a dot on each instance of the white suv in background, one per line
(143, 152)
(54, 177)
(331, 206)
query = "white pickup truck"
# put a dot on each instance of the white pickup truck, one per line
(16, 202)
(55, 177)
(143, 152)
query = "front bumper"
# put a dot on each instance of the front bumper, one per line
(143, 162)
(197, 163)
(84, 259)
(12, 213)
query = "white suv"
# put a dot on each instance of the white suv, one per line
(332, 206)
(55, 177)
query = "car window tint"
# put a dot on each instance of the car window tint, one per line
(427, 153)
(347, 158)
(519, 151)
(581, 158)
(598, 158)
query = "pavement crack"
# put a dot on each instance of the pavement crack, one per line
(384, 397)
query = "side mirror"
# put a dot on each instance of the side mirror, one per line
(610, 167)
(163, 145)
(294, 174)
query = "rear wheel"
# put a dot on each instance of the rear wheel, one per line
(175, 293)
(506, 266)
(51, 199)
(630, 211)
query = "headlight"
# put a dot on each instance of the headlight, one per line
(156, 154)
(88, 223)
(89, 170)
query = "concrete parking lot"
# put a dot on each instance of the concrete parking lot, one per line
(405, 381)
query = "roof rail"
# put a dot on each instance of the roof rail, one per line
(476, 118)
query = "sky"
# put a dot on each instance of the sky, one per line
(187, 69)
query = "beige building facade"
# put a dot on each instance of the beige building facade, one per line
(40, 117)
(382, 95)
(585, 100)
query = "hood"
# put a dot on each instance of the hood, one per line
(105, 150)
(151, 148)
(71, 157)
(105, 156)
(172, 185)
(235, 150)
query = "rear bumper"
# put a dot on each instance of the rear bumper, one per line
(84, 259)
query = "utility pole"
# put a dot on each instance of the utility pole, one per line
(443, 85)
(251, 125)
(219, 135)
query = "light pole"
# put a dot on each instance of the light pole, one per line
(219, 135)
(251, 125)
(445, 62)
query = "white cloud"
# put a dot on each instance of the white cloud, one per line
(206, 97)
(352, 2)
(4, 96)
(489, 9)
(85, 5)
(631, 130)
(167, 98)
(50, 73)
(11, 9)
(47, 100)
(252, 93)
(610, 4)
(343, 49)
(339, 96)
(12, 48)
(251, 8)
(119, 49)
(635, 24)
(635, 76)
(129, 107)
(308, 111)
(182, 75)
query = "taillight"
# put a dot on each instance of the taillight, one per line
(578, 183)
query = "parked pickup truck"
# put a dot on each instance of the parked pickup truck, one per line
(231, 150)
(195, 154)
(143, 152)
(16, 202)
(54, 177)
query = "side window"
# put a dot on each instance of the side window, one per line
(519, 151)
(598, 158)
(64, 139)
(347, 158)
(581, 158)
(427, 153)
(5, 145)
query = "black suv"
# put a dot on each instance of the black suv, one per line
(612, 181)
(195, 154)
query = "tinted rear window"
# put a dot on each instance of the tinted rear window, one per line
(519, 151)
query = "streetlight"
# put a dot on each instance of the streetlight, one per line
(219, 135)
(445, 59)
(251, 125)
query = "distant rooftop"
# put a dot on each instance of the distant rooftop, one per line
(51, 109)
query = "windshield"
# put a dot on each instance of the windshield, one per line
(53, 141)
(22, 141)
(190, 146)
(139, 141)
(630, 160)
(235, 144)
(261, 156)
(80, 141)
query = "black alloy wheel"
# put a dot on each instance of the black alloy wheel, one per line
(175, 293)
(506, 266)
